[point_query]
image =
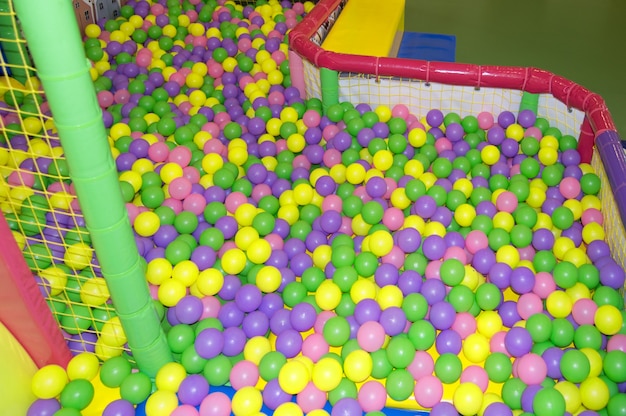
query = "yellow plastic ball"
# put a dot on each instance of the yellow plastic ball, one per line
(296, 143)
(536, 197)
(389, 296)
(363, 289)
(158, 271)
(509, 255)
(383, 160)
(161, 403)
(78, 256)
(417, 137)
(608, 319)
(592, 232)
(83, 366)
(476, 348)
(259, 251)
(289, 409)
(92, 31)
(595, 361)
(355, 173)
(275, 77)
(293, 377)
(383, 112)
(289, 213)
(399, 199)
(170, 376)
(571, 394)
(256, 348)
(94, 292)
(112, 333)
(328, 295)
(490, 154)
(55, 277)
(268, 279)
(327, 374)
(464, 185)
(49, 381)
(210, 281)
(414, 168)
(303, 194)
(559, 304)
(358, 365)
(594, 393)
(381, 243)
(146, 224)
(171, 291)
(488, 323)
(185, 272)
(548, 156)
(577, 256)
(118, 130)
(549, 141)
(467, 399)
(464, 215)
(234, 261)
(515, 132)
(170, 171)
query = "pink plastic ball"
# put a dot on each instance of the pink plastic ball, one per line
(584, 311)
(276, 241)
(179, 188)
(396, 256)
(311, 118)
(617, 342)
(477, 375)
(455, 252)
(428, 391)
(485, 120)
(400, 110)
(175, 204)
(531, 369)
(191, 173)
(276, 98)
(433, 270)
(496, 343)
(105, 98)
(464, 324)
(372, 396)
(371, 336)
(244, 373)
(330, 131)
(194, 203)
(569, 187)
(315, 346)
(332, 203)
(260, 190)
(529, 304)
(244, 44)
(592, 215)
(158, 152)
(185, 410)
(507, 202)
(234, 200)
(311, 398)
(210, 307)
(476, 240)
(533, 132)
(393, 218)
(422, 365)
(544, 284)
(215, 404)
(442, 144)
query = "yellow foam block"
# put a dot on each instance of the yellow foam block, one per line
(367, 27)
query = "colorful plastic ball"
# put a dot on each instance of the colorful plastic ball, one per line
(372, 396)
(44, 407)
(49, 381)
(327, 374)
(532, 369)
(518, 341)
(498, 366)
(467, 399)
(575, 366)
(161, 403)
(608, 319)
(548, 401)
(216, 404)
(594, 393)
(293, 377)
(428, 391)
(77, 394)
(448, 368)
(247, 401)
(371, 336)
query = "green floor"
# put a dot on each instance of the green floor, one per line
(582, 40)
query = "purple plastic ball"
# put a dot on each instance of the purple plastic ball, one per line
(189, 310)
(434, 290)
(289, 343)
(209, 343)
(302, 317)
(46, 407)
(448, 341)
(193, 389)
(518, 341)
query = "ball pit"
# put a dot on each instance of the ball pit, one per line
(307, 256)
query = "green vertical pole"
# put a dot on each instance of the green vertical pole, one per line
(329, 81)
(14, 51)
(529, 102)
(55, 43)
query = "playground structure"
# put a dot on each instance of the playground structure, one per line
(375, 78)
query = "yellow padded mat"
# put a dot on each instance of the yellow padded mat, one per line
(367, 27)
